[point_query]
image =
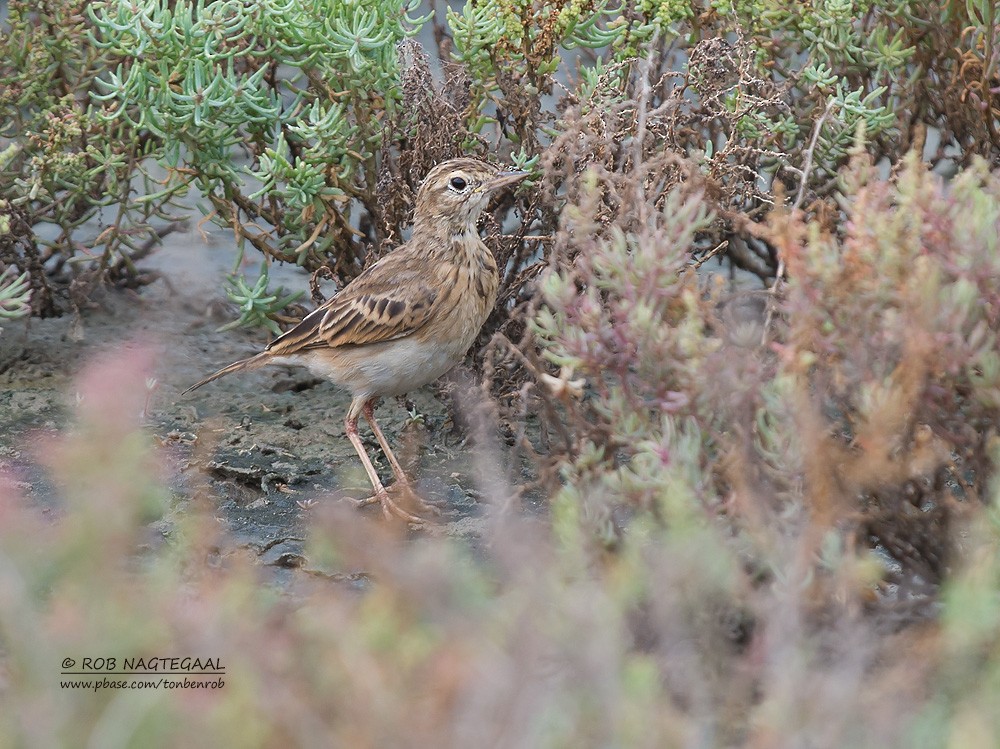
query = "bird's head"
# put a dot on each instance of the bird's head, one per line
(455, 192)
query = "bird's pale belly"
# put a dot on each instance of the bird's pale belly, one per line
(384, 369)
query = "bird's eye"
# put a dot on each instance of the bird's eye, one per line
(457, 183)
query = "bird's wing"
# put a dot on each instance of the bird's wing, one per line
(390, 300)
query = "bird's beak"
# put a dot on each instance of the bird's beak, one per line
(503, 179)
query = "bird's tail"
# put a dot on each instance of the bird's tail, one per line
(251, 362)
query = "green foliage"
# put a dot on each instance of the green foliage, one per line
(65, 169)
(15, 294)
(911, 273)
(303, 86)
(503, 43)
(257, 304)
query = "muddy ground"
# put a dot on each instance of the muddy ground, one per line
(269, 445)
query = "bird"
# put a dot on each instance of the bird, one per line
(408, 318)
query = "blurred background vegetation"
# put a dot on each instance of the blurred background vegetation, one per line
(771, 502)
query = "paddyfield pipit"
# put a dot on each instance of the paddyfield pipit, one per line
(407, 319)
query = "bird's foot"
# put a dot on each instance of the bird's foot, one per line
(390, 508)
(406, 491)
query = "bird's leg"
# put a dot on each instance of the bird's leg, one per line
(369, 411)
(389, 507)
(401, 479)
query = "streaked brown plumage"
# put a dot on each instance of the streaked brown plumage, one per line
(410, 317)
